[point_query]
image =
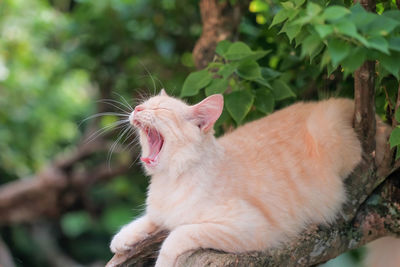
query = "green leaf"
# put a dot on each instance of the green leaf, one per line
(381, 25)
(223, 47)
(397, 115)
(394, 43)
(391, 63)
(280, 17)
(397, 154)
(287, 5)
(291, 30)
(217, 86)
(256, 55)
(326, 58)
(394, 139)
(238, 104)
(317, 51)
(281, 90)
(324, 30)
(269, 74)
(330, 68)
(310, 44)
(393, 14)
(301, 37)
(264, 101)
(249, 70)
(226, 70)
(354, 61)
(241, 51)
(299, 3)
(263, 82)
(238, 51)
(195, 81)
(338, 50)
(313, 9)
(346, 27)
(379, 43)
(335, 12)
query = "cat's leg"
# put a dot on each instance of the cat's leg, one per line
(132, 233)
(206, 235)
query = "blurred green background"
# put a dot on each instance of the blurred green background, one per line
(58, 57)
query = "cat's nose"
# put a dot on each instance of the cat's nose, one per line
(138, 109)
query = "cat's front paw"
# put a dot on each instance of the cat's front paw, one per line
(125, 239)
(166, 260)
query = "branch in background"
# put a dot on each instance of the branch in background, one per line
(220, 22)
(47, 245)
(56, 189)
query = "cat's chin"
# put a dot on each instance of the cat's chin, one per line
(155, 142)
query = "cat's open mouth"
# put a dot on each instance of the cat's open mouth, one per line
(156, 142)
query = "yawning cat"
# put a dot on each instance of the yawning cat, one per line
(248, 190)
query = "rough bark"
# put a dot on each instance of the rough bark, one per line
(220, 22)
(378, 216)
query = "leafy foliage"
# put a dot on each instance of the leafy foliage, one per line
(237, 73)
(344, 36)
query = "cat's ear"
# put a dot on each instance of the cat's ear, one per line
(207, 112)
(163, 93)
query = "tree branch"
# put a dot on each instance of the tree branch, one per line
(220, 22)
(55, 189)
(377, 217)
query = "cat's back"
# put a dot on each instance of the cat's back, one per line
(288, 121)
(290, 165)
(316, 133)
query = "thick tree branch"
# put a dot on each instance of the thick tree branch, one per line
(377, 217)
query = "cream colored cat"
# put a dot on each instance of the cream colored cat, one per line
(248, 190)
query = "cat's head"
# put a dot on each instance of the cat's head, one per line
(172, 133)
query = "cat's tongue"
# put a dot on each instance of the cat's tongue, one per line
(155, 142)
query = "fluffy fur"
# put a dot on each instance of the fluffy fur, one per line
(384, 252)
(248, 190)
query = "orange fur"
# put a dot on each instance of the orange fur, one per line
(250, 189)
(384, 252)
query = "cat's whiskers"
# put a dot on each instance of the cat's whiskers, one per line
(127, 105)
(151, 77)
(103, 114)
(114, 145)
(113, 103)
(103, 130)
